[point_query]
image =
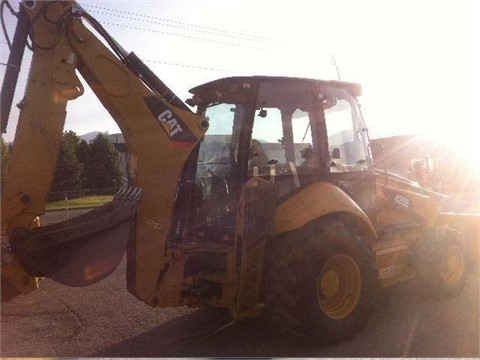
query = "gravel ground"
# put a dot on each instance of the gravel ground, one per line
(104, 320)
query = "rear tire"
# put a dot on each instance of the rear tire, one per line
(320, 283)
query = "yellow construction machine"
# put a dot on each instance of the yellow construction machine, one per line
(264, 201)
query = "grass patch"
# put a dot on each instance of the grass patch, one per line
(79, 203)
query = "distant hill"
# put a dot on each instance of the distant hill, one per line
(114, 138)
(89, 136)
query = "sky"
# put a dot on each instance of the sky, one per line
(417, 60)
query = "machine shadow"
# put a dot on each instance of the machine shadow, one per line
(207, 333)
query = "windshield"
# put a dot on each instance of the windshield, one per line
(347, 134)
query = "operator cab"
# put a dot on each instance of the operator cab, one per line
(290, 131)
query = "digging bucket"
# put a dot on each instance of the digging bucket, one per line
(83, 250)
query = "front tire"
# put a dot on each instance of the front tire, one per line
(442, 263)
(320, 283)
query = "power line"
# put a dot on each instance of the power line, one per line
(183, 25)
(168, 63)
(206, 32)
(180, 35)
(192, 66)
(172, 34)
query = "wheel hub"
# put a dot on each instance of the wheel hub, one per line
(330, 284)
(339, 286)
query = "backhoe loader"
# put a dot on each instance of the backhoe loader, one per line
(264, 200)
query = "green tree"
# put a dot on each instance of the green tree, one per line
(82, 157)
(82, 151)
(68, 173)
(5, 158)
(102, 168)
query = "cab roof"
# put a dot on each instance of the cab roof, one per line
(238, 82)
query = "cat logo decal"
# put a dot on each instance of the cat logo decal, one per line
(178, 133)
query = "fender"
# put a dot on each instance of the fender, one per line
(317, 200)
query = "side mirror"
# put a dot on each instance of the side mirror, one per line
(262, 113)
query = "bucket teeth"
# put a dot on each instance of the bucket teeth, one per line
(130, 193)
(137, 194)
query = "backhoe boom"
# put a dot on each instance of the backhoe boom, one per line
(159, 132)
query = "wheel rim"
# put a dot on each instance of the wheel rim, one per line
(453, 265)
(339, 286)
